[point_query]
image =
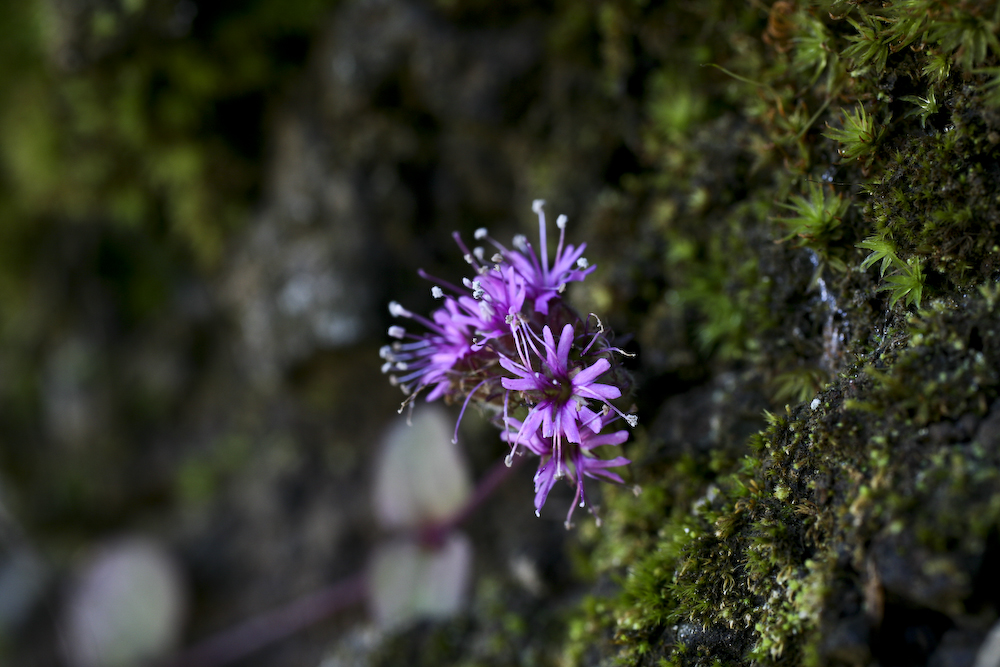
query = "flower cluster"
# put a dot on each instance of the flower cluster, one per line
(507, 341)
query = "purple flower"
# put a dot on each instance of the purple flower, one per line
(559, 393)
(546, 282)
(570, 461)
(501, 319)
(500, 293)
(429, 358)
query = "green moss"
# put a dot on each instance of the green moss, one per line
(864, 152)
(125, 135)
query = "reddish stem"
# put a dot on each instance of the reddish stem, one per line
(269, 627)
(242, 640)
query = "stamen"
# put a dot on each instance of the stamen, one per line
(454, 437)
(385, 352)
(582, 263)
(521, 242)
(561, 221)
(437, 292)
(497, 258)
(480, 234)
(479, 252)
(397, 331)
(543, 248)
(397, 310)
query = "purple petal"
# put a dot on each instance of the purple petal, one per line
(550, 344)
(590, 374)
(602, 392)
(592, 441)
(530, 424)
(589, 418)
(516, 368)
(514, 384)
(567, 422)
(545, 478)
(565, 342)
(542, 301)
(597, 468)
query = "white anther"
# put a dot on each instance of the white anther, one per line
(479, 253)
(561, 288)
(397, 331)
(485, 310)
(468, 283)
(437, 292)
(497, 258)
(402, 366)
(521, 242)
(632, 420)
(480, 234)
(582, 263)
(386, 367)
(396, 310)
(561, 221)
(385, 352)
(468, 258)
(509, 460)
(536, 206)
(538, 513)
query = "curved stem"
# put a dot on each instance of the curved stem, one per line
(267, 628)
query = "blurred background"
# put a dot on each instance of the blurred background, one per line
(204, 209)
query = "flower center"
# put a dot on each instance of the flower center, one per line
(560, 391)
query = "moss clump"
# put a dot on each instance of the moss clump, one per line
(845, 521)
(936, 199)
(861, 140)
